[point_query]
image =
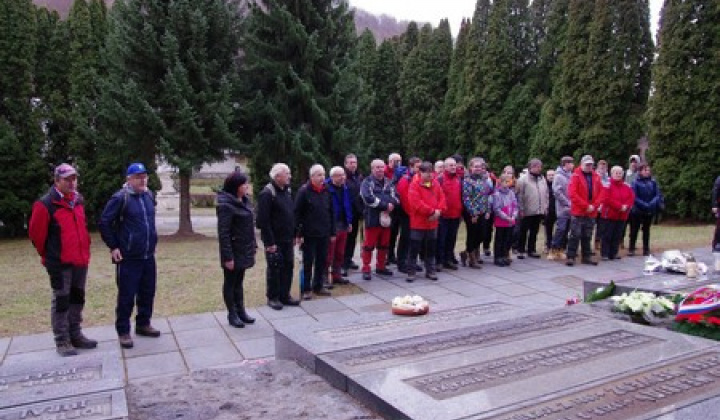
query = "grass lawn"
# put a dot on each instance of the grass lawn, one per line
(189, 278)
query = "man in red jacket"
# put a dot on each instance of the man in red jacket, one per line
(59, 233)
(425, 204)
(585, 192)
(450, 219)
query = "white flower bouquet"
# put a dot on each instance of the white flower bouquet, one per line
(643, 304)
(410, 305)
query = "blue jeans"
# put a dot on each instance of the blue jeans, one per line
(562, 227)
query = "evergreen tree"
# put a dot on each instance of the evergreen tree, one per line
(300, 84)
(52, 68)
(685, 104)
(559, 130)
(385, 135)
(26, 177)
(423, 86)
(503, 64)
(618, 59)
(167, 93)
(367, 61)
(457, 128)
(465, 114)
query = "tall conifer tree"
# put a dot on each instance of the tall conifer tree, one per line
(171, 66)
(685, 105)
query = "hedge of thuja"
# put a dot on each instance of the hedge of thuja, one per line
(203, 199)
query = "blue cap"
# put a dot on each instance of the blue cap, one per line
(136, 168)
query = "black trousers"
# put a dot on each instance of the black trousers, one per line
(422, 239)
(716, 238)
(581, 230)
(550, 220)
(503, 241)
(638, 221)
(477, 232)
(612, 236)
(488, 233)
(232, 291)
(529, 228)
(279, 279)
(403, 243)
(394, 232)
(315, 252)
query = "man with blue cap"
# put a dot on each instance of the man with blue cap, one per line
(127, 227)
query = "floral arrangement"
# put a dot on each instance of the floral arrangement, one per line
(699, 313)
(410, 305)
(643, 304)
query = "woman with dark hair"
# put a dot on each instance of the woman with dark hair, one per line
(236, 234)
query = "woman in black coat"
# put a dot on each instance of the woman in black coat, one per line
(236, 234)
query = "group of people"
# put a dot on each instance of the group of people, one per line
(58, 230)
(411, 217)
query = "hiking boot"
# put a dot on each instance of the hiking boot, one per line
(82, 342)
(244, 316)
(410, 277)
(500, 262)
(289, 301)
(66, 349)
(126, 341)
(431, 275)
(570, 262)
(588, 261)
(367, 276)
(147, 331)
(235, 321)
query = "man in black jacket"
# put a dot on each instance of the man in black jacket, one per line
(276, 221)
(315, 227)
(353, 180)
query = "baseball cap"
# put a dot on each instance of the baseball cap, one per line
(136, 168)
(587, 159)
(64, 170)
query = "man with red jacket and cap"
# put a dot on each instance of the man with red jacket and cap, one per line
(426, 202)
(59, 233)
(586, 194)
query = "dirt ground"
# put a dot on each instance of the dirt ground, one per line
(276, 389)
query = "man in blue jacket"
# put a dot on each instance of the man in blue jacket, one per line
(127, 227)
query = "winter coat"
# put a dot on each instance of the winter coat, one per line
(424, 199)
(342, 208)
(560, 189)
(579, 193)
(128, 223)
(353, 180)
(476, 193)
(647, 196)
(275, 215)
(451, 186)
(402, 188)
(617, 195)
(532, 195)
(505, 207)
(314, 212)
(60, 238)
(236, 230)
(376, 195)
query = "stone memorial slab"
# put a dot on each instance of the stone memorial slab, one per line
(492, 382)
(60, 377)
(106, 405)
(303, 343)
(661, 283)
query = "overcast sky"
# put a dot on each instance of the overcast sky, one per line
(434, 10)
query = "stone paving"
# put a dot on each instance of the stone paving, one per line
(198, 341)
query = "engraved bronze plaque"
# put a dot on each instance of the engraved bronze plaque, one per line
(405, 323)
(478, 376)
(680, 383)
(459, 340)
